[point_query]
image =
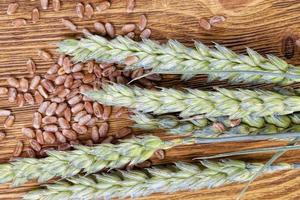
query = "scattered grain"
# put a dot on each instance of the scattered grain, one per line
(94, 134)
(35, 15)
(110, 30)
(80, 129)
(103, 129)
(69, 134)
(30, 153)
(130, 60)
(2, 135)
(89, 11)
(130, 6)
(63, 123)
(19, 22)
(130, 35)
(49, 120)
(28, 132)
(44, 55)
(43, 107)
(61, 108)
(109, 139)
(67, 114)
(13, 82)
(216, 20)
(68, 24)
(145, 34)
(29, 98)
(123, 132)
(20, 100)
(24, 85)
(79, 10)
(31, 68)
(49, 137)
(5, 113)
(84, 120)
(39, 136)
(50, 128)
(203, 23)
(128, 28)
(9, 121)
(142, 22)
(34, 82)
(51, 109)
(12, 95)
(42, 91)
(18, 148)
(12, 8)
(77, 67)
(3, 90)
(37, 120)
(56, 5)
(69, 81)
(160, 154)
(103, 6)
(60, 137)
(44, 4)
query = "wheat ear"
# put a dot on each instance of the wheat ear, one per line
(217, 127)
(223, 102)
(165, 179)
(84, 159)
(175, 58)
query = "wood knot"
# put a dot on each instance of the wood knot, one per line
(288, 47)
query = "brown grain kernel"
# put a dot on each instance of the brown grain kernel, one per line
(130, 6)
(120, 111)
(29, 98)
(63, 123)
(2, 136)
(219, 127)
(89, 11)
(103, 129)
(110, 30)
(53, 69)
(49, 137)
(63, 93)
(88, 78)
(37, 120)
(31, 68)
(35, 145)
(18, 148)
(60, 59)
(57, 99)
(100, 28)
(69, 81)
(12, 95)
(43, 107)
(3, 90)
(34, 82)
(235, 122)
(30, 153)
(60, 137)
(12, 8)
(28, 132)
(127, 73)
(4, 113)
(106, 112)
(20, 100)
(92, 122)
(64, 147)
(84, 120)
(98, 109)
(67, 64)
(108, 71)
(35, 15)
(13, 82)
(145, 82)
(145, 34)
(50, 77)
(44, 55)
(61, 108)
(78, 75)
(90, 66)
(103, 6)
(67, 114)
(77, 108)
(9, 121)
(97, 71)
(79, 115)
(50, 128)
(130, 60)
(74, 100)
(61, 71)
(160, 154)
(142, 22)
(86, 32)
(58, 89)
(38, 98)
(76, 84)
(94, 134)
(42, 91)
(154, 77)
(79, 10)
(60, 79)
(39, 136)
(77, 67)
(105, 65)
(203, 23)
(19, 22)
(130, 35)
(123, 132)
(49, 120)
(69, 134)
(88, 107)
(44, 4)
(144, 164)
(137, 73)
(44, 150)
(80, 129)
(216, 20)
(73, 93)
(109, 139)
(56, 5)
(51, 109)
(68, 24)
(24, 85)
(128, 28)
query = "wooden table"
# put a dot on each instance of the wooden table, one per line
(268, 26)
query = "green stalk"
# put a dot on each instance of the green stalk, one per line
(217, 127)
(165, 179)
(175, 58)
(233, 103)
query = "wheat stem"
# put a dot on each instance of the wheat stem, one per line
(233, 103)
(173, 57)
(166, 179)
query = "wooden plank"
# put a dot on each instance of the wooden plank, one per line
(268, 26)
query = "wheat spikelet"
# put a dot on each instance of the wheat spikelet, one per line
(175, 58)
(223, 102)
(84, 159)
(217, 127)
(165, 179)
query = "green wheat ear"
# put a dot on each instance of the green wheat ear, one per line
(165, 179)
(235, 104)
(175, 58)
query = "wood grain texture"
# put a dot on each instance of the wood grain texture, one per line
(268, 26)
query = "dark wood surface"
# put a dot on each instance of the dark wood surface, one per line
(268, 26)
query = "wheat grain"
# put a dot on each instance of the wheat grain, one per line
(223, 102)
(175, 58)
(166, 179)
(205, 127)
